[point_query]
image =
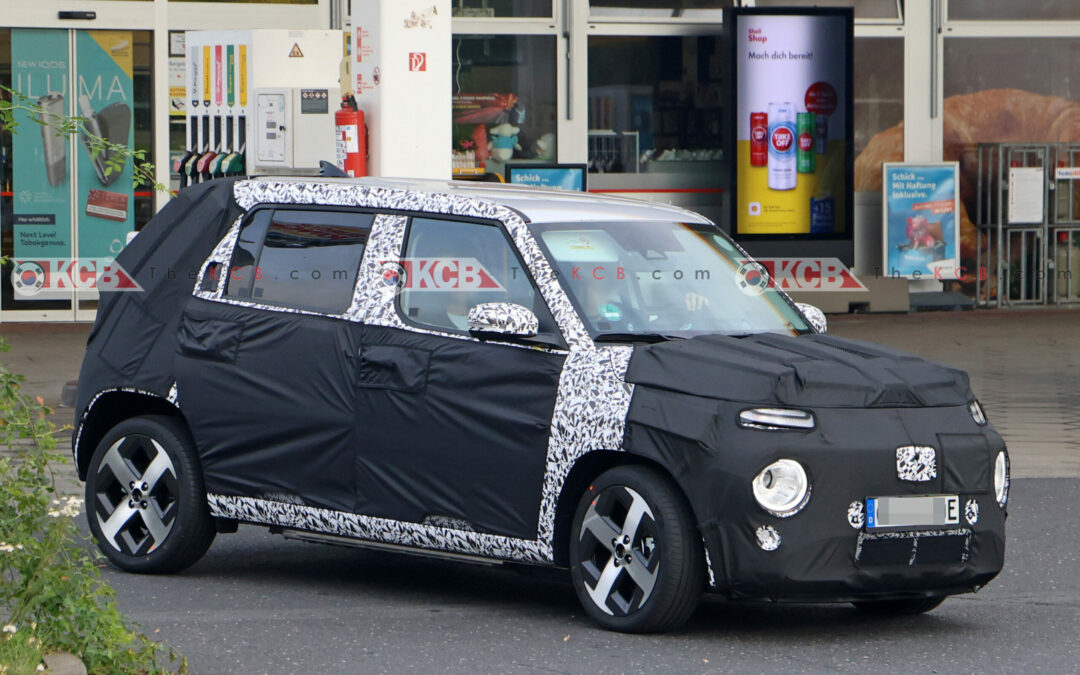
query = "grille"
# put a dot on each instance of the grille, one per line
(914, 549)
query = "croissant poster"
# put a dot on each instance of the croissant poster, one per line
(922, 236)
(792, 122)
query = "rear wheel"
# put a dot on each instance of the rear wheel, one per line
(145, 499)
(904, 607)
(636, 557)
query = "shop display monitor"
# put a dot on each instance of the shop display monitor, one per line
(562, 176)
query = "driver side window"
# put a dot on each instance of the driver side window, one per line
(452, 265)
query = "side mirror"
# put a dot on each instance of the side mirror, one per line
(815, 316)
(502, 319)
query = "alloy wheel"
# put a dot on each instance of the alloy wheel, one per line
(619, 550)
(135, 498)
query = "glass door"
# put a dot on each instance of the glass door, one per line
(67, 204)
(509, 58)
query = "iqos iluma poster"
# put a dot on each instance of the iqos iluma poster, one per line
(792, 122)
(41, 179)
(105, 196)
(58, 178)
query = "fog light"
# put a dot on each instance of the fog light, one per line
(782, 488)
(1001, 478)
(977, 414)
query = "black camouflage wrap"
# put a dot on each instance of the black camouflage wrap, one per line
(868, 402)
(361, 425)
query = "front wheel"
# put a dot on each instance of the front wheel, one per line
(636, 557)
(903, 607)
(145, 499)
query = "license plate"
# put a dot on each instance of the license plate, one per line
(892, 512)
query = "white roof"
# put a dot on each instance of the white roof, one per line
(538, 205)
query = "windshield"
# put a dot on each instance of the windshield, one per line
(663, 278)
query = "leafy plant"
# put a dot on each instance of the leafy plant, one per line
(115, 154)
(51, 592)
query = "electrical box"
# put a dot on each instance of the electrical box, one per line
(242, 81)
(294, 128)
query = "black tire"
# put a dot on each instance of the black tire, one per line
(903, 607)
(665, 548)
(145, 475)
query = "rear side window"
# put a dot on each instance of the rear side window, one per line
(301, 259)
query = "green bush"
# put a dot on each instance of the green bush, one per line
(51, 592)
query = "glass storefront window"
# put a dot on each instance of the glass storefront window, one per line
(264, 2)
(665, 114)
(504, 101)
(864, 9)
(964, 10)
(484, 9)
(1001, 90)
(879, 108)
(64, 201)
(1008, 90)
(658, 9)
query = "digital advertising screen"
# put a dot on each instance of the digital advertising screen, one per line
(792, 168)
(562, 176)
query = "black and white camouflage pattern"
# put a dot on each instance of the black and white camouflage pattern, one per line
(592, 400)
(505, 318)
(815, 316)
(916, 463)
(971, 512)
(428, 536)
(856, 514)
(767, 538)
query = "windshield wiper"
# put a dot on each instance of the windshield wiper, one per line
(635, 337)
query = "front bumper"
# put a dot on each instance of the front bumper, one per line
(825, 551)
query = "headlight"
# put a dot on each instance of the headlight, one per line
(776, 419)
(782, 488)
(1001, 478)
(977, 413)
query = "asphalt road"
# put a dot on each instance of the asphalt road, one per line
(260, 604)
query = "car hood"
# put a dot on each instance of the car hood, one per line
(806, 371)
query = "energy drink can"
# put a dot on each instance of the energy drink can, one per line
(782, 146)
(822, 134)
(759, 136)
(806, 157)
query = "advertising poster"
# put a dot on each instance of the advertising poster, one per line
(177, 86)
(105, 199)
(792, 122)
(41, 179)
(560, 176)
(920, 204)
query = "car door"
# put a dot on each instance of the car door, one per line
(267, 361)
(453, 431)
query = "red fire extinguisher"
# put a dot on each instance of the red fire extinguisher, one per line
(351, 138)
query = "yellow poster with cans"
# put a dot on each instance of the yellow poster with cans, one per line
(792, 153)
